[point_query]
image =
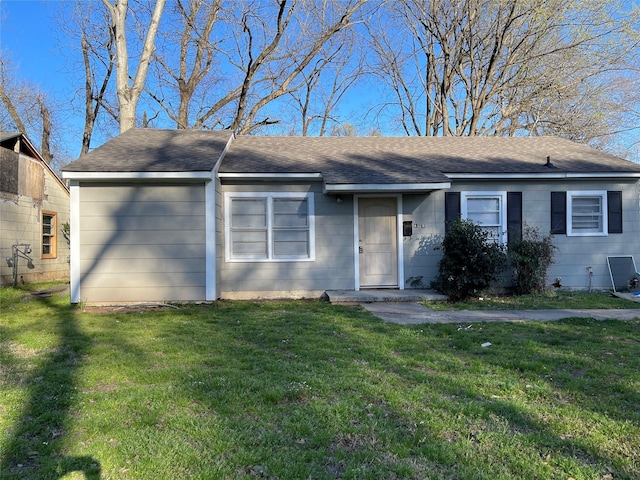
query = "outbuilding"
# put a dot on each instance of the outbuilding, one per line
(34, 214)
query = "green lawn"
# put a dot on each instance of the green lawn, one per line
(552, 299)
(297, 390)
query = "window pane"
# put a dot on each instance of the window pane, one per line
(587, 204)
(485, 218)
(485, 211)
(290, 243)
(269, 227)
(591, 224)
(47, 225)
(250, 213)
(586, 214)
(290, 213)
(48, 235)
(249, 244)
(483, 204)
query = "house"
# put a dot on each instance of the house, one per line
(164, 215)
(34, 208)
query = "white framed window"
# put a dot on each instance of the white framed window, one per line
(587, 213)
(269, 226)
(489, 210)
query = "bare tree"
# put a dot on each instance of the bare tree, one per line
(319, 30)
(129, 92)
(343, 130)
(27, 109)
(500, 67)
(261, 50)
(326, 81)
(45, 115)
(6, 95)
(195, 57)
(98, 56)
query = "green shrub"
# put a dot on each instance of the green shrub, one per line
(471, 261)
(530, 258)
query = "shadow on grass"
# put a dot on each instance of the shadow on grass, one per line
(384, 393)
(553, 362)
(35, 447)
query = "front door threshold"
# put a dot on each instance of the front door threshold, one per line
(380, 287)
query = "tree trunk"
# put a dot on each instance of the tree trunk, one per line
(129, 94)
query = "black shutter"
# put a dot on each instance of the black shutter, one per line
(514, 216)
(558, 212)
(451, 208)
(614, 211)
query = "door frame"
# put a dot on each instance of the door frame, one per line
(399, 244)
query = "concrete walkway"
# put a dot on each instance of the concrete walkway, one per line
(405, 307)
(411, 313)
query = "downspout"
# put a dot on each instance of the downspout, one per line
(211, 267)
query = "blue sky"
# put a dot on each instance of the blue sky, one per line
(27, 35)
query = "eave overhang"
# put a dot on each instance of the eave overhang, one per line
(270, 177)
(536, 176)
(111, 176)
(385, 188)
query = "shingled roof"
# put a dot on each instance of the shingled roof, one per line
(349, 160)
(151, 150)
(416, 159)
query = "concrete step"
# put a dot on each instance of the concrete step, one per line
(384, 295)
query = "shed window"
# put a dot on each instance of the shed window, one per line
(49, 240)
(587, 213)
(488, 209)
(269, 227)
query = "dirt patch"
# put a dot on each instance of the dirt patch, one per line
(133, 308)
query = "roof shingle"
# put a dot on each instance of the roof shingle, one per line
(347, 160)
(151, 150)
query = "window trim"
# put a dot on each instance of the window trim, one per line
(501, 195)
(53, 236)
(270, 197)
(571, 194)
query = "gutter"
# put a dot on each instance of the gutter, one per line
(535, 176)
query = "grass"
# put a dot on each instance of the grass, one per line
(555, 299)
(296, 390)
